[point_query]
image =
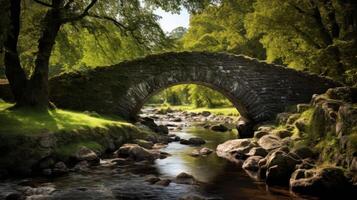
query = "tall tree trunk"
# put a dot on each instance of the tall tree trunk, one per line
(13, 70)
(38, 93)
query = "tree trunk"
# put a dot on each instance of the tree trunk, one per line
(37, 90)
(13, 70)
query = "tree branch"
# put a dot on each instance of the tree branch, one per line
(110, 19)
(43, 3)
(83, 14)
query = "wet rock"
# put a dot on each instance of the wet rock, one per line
(59, 169)
(31, 191)
(251, 163)
(162, 129)
(195, 153)
(283, 117)
(164, 155)
(184, 178)
(205, 151)
(245, 128)
(257, 151)
(144, 143)
(163, 182)
(259, 134)
(81, 166)
(219, 128)
(304, 152)
(86, 154)
(279, 167)
(322, 182)
(120, 161)
(152, 179)
(137, 153)
(270, 142)
(292, 118)
(196, 141)
(306, 164)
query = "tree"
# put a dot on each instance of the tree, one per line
(315, 35)
(220, 27)
(130, 17)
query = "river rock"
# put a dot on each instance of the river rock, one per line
(304, 152)
(144, 143)
(152, 179)
(205, 151)
(81, 166)
(177, 119)
(270, 142)
(219, 128)
(137, 153)
(257, 151)
(184, 178)
(60, 168)
(163, 182)
(86, 154)
(279, 167)
(282, 133)
(302, 107)
(259, 134)
(322, 182)
(245, 128)
(251, 163)
(192, 197)
(196, 141)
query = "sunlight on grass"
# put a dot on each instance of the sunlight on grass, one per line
(27, 121)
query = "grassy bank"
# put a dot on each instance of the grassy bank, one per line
(226, 111)
(28, 136)
(27, 121)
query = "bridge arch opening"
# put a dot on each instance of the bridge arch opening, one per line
(189, 95)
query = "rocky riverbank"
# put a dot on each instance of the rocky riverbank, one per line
(312, 149)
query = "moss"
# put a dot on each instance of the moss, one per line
(28, 121)
(65, 151)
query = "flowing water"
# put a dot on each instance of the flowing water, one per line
(220, 178)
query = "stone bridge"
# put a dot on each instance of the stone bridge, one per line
(257, 89)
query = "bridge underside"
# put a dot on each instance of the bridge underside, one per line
(258, 90)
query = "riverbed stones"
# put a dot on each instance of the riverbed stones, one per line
(251, 163)
(257, 151)
(137, 153)
(259, 134)
(86, 154)
(196, 141)
(59, 169)
(219, 128)
(270, 142)
(163, 182)
(304, 152)
(205, 151)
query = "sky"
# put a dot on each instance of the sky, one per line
(169, 21)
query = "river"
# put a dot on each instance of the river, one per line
(220, 179)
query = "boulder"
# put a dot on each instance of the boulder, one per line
(162, 129)
(184, 178)
(322, 182)
(304, 152)
(245, 128)
(137, 153)
(251, 163)
(184, 141)
(86, 154)
(219, 128)
(235, 150)
(270, 142)
(205, 151)
(152, 179)
(279, 167)
(206, 113)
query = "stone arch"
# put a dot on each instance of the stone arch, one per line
(259, 90)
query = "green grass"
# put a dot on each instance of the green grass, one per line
(227, 111)
(27, 121)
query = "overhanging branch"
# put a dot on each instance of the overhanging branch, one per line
(83, 14)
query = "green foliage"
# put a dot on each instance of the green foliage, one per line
(307, 35)
(190, 94)
(220, 27)
(28, 121)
